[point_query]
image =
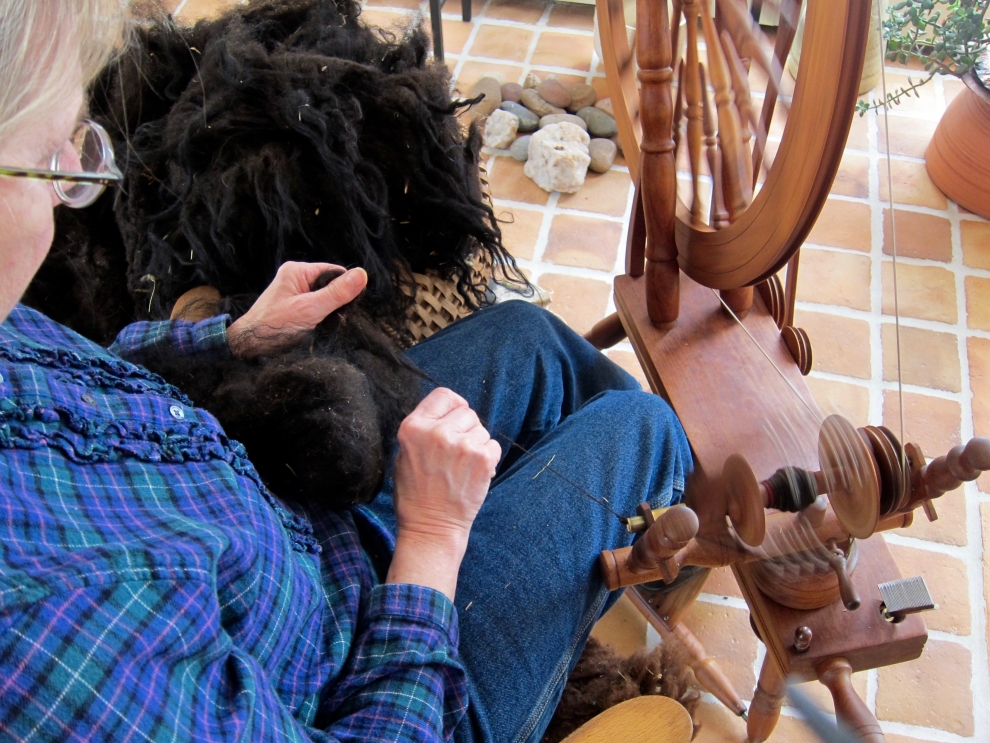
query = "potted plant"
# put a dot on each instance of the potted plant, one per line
(949, 38)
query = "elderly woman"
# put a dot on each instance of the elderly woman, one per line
(150, 585)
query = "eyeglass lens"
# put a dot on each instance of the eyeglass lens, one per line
(87, 151)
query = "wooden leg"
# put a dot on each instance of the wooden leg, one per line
(708, 672)
(739, 300)
(466, 10)
(663, 291)
(437, 26)
(606, 333)
(765, 709)
(835, 673)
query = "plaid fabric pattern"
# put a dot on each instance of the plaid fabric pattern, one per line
(151, 588)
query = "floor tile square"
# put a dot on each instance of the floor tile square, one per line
(932, 422)
(928, 359)
(851, 401)
(501, 42)
(583, 241)
(570, 51)
(523, 11)
(919, 235)
(603, 193)
(579, 302)
(832, 336)
(853, 178)
(978, 303)
(843, 224)
(924, 292)
(932, 691)
(473, 71)
(911, 185)
(975, 243)
(571, 15)
(910, 136)
(520, 230)
(833, 277)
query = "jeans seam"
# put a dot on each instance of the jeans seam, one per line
(541, 706)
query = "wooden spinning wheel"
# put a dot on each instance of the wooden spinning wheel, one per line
(757, 235)
(728, 360)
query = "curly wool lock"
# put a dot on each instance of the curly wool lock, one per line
(288, 130)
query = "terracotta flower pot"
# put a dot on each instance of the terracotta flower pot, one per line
(958, 157)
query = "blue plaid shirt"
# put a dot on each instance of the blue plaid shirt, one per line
(151, 588)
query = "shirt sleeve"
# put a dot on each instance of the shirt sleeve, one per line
(149, 660)
(205, 338)
(403, 680)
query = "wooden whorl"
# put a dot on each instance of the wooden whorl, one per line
(744, 499)
(851, 476)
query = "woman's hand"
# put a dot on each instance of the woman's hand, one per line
(287, 309)
(445, 465)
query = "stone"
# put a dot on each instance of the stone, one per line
(602, 153)
(535, 103)
(520, 148)
(554, 92)
(605, 104)
(549, 119)
(582, 96)
(617, 142)
(500, 129)
(492, 90)
(511, 92)
(528, 121)
(600, 124)
(531, 80)
(558, 158)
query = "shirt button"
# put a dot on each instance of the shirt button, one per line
(88, 399)
(176, 412)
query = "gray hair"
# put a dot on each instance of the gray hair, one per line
(44, 46)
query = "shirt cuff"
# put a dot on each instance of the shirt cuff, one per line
(415, 604)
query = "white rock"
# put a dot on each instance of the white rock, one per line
(501, 128)
(558, 157)
(532, 80)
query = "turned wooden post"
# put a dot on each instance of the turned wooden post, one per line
(836, 674)
(719, 217)
(657, 173)
(767, 699)
(692, 96)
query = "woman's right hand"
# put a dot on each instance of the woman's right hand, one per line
(445, 465)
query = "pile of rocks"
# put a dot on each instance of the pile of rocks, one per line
(559, 131)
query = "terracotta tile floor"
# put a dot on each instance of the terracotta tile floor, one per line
(573, 246)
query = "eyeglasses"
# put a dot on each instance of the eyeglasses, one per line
(81, 170)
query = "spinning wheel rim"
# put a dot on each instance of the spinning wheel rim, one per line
(855, 500)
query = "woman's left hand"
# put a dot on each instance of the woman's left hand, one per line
(287, 309)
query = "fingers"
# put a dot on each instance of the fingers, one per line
(342, 290)
(440, 402)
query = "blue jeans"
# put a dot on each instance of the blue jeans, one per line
(529, 591)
